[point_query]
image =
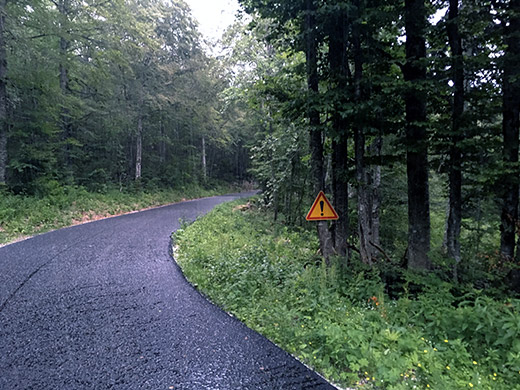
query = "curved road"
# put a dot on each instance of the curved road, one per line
(103, 306)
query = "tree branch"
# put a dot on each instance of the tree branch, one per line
(380, 250)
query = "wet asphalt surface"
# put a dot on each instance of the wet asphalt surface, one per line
(103, 306)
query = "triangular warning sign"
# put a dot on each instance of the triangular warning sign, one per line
(321, 209)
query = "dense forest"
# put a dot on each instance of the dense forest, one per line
(406, 114)
(111, 94)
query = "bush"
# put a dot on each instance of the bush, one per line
(340, 319)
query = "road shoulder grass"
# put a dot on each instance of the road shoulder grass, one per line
(24, 216)
(339, 320)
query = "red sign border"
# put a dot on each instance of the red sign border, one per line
(321, 195)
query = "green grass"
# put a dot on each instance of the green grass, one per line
(22, 216)
(339, 319)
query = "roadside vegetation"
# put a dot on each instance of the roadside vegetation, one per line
(406, 114)
(23, 216)
(379, 327)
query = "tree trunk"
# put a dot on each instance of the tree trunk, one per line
(338, 66)
(162, 142)
(3, 96)
(316, 142)
(290, 190)
(340, 188)
(374, 195)
(417, 148)
(204, 166)
(510, 128)
(139, 147)
(455, 168)
(65, 120)
(363, 206)
(238, 161)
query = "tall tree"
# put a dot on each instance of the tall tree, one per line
(65, 29)
(338, 62)
(3, 95)
(414, 72)
(83, 74)
(316, 134)
(510, 129)
(363, 192)
(455, 165)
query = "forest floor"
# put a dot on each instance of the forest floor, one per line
(22, 217)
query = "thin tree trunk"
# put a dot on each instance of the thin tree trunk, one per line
(162, 142)
(510, 128)
(66, 126)
(3, 96)
(316, 142)
(290, 191)
(204, 166)
(238, 169)
(375, 198)
(455, 169)
(338, 66)
(363, 206)
(300, 200)
(139, 147)
(340, 187)
(417, 147)
(275, 205)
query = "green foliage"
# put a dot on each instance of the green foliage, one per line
(59, 206)
(269, 83)
(339, 319)
(83, 74)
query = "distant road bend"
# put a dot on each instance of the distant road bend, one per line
(103, 306)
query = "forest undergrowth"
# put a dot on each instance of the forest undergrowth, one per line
(361, 327)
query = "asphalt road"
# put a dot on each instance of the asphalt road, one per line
(103, 306)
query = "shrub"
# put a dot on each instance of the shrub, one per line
(340, 319)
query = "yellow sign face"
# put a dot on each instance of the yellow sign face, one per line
(321, 209)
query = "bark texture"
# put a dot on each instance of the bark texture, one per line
(417, 150)
(363, 191)
(338, 69)
(375, 196)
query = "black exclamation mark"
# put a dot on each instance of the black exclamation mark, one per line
(321, 207)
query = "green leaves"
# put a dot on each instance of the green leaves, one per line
(338, 320)
(82, 74)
